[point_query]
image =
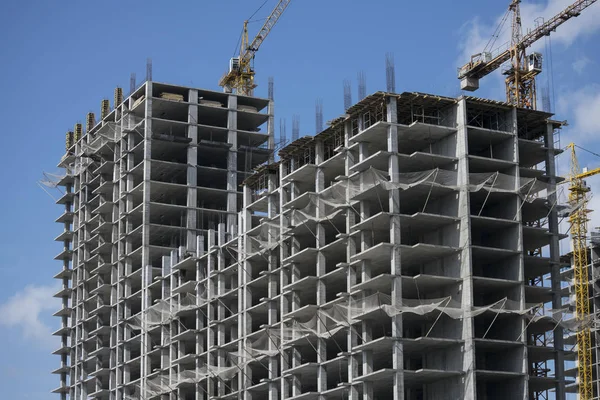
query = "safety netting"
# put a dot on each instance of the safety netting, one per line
(52, 180)
(263, 239)
(343, 194)
(165, 311)
(110, 132)
(328, 321)
(167, 383)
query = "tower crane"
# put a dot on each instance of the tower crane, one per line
(241, 70)
(578, 198)
(520, 76)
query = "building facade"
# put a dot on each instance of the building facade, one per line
(409, 251)
(163, 166)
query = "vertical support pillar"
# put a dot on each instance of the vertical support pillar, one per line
(146, 347)
(166, 334)
(78, 255)
(395, 262)
(201, 322)
(524, 360)
(211, 294)
(192, 172)
(466, 270)
(272, 291)
(284, 279)
(116, 251)
(553, 228)
(175, 349)
(351, 275)
(245, 297)
(232, 162)
(126, 269)
(220, 306)
(294, 275)
(365, 272)
(271, 130)
(320, 269)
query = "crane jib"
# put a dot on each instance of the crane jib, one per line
(264, 31)
(479, 70)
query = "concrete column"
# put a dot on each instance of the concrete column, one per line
(284, 279)
(553, 229)
(166, 334)
(294, 301)
(200, 314)
(114, 272)
(146, 297)
(466, 270)
(320, 269)
(220, 307)
(232, 160)
(245, 297)
(126, 267)
(524, 362)
(78, 254)
(351, 277)
(272, 291)
(365, 272)
(211, 293)
(175, 349)
(271, 130)
(192, 172)
(395, 262)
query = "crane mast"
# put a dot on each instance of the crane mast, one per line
(241, 71)
(578, 192)
(520, 76)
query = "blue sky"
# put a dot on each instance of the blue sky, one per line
(59, 59)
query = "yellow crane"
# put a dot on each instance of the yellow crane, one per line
(520, 76)
(578, 198)
(241, 70)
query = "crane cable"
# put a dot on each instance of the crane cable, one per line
(237, 46)
(499, 30)
(259, 8)
(589, 151)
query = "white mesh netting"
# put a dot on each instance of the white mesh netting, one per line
(165, 311)
(333, 200)
(263, 239)
(326, 323)
(110, 132)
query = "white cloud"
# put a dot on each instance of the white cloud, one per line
(24, 309)
(583, 107)
(476, 34)
(580, 64)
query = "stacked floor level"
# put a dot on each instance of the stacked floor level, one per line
(402, 253)
(163, 167)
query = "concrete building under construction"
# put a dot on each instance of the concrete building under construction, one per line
(408, 251)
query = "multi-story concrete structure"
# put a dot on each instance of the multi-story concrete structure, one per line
(406, 252)
(162, 167)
